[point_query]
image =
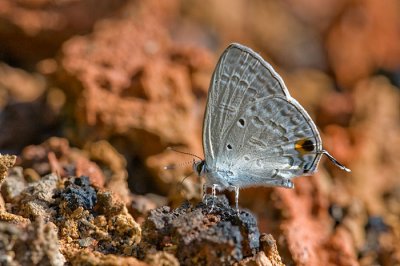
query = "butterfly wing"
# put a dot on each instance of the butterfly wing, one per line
(254, 132)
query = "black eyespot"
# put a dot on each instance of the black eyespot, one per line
(308, 145)
(241, 122)
(229, 146)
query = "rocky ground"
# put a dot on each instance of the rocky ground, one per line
(91, 100)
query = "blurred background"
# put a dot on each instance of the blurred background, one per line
(126, 79)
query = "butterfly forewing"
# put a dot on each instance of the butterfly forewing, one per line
(253, 130)
(239, 77)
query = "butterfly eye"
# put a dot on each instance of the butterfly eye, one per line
(200, 167)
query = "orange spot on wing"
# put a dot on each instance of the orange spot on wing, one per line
(304, 146)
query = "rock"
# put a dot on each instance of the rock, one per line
(36, 244)
(197, 235)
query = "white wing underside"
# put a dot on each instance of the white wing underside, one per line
(252, 124)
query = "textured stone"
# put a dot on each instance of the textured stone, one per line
(197, 235)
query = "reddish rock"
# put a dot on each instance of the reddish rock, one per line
(6, 162)
(149, 83)
(55, 156)
(32, 30)
(364, 39)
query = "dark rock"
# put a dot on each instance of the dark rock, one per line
(78, 192)
(374, 229)
(197, 235)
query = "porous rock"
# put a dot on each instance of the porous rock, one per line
(36, 244)
(201, 234)
(6, 161)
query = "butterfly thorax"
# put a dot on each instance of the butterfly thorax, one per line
(213, 177)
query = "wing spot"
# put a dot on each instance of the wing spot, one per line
(290, 161)
(257, 143)
(251, 91)
(257, 121)
(304, 146)
(275, 127)
(305, 169)
(269, 108)
(285, 113)
(235, 80)
(229, 147)
(251, 94)
(275, 173)
(243, 84)
(246, 158)
(241, 122)
(224, 79)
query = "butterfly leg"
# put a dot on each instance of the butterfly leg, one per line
(237, 198)
(214, 195)
(204, 199)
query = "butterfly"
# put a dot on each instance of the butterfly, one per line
(254, 132)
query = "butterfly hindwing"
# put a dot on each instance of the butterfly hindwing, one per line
(271, 146)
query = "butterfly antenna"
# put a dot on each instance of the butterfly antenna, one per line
(187, 153)
(341, 166)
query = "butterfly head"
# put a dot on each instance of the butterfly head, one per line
(199, 167)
